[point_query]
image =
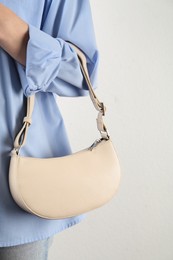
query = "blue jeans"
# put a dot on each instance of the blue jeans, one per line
(37, 250)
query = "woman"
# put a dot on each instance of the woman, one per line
(36, 59)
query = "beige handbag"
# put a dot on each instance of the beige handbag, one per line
(62, 187)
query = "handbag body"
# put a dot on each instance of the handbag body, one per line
(66, 186)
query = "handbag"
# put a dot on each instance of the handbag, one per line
(66, 186)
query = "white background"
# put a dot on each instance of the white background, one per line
(135, 39)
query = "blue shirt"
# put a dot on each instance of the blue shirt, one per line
(52, 69)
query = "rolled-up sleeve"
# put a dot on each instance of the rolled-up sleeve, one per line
(52, 64)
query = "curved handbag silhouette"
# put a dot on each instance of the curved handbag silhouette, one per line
(62, 187)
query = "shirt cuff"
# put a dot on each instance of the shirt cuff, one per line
(53, 66)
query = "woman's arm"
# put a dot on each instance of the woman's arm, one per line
(50, 64)
(13, 34)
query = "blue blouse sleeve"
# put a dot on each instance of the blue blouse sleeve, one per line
(52, 64)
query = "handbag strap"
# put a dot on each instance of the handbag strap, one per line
(27, 120)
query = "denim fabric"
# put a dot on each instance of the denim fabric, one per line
(37, 250)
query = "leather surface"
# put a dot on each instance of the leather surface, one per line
(62, 187)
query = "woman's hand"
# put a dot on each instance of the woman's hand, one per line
(13, 34)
